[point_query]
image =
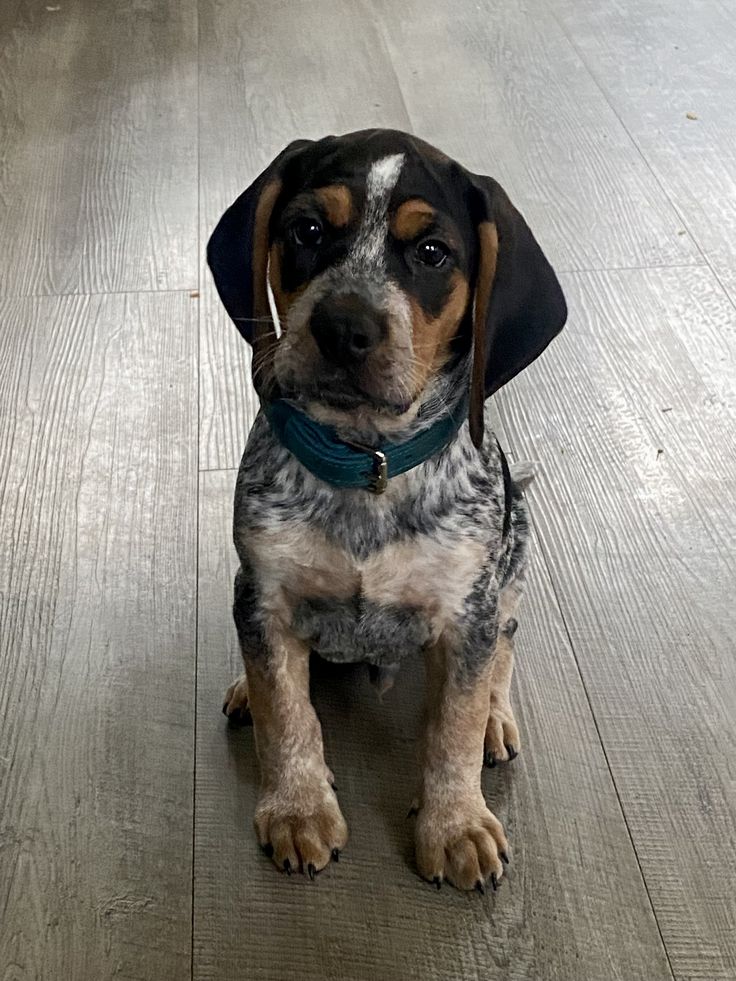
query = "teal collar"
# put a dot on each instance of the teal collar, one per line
(348, 464)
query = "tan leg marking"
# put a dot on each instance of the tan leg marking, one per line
(502, 740)
(297, 819)
(457, 837)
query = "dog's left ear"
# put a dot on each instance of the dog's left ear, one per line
(519, 305)
(237, 252)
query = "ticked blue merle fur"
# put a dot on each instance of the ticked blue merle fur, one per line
(405, 288)
(461, 488)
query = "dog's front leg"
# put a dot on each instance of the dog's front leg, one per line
(298, 820)
(457, 836)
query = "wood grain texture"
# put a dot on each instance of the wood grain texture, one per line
(574, 906)
(97, 594)
(98, 124)
(656, 64)
(505, 93)
(631, 413)
(269, 74)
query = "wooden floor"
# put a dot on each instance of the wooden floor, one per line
(126, 848)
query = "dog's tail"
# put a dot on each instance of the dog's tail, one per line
(523, 473)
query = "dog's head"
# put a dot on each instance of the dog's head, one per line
(387, 262)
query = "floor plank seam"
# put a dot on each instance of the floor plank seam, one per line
(198, 497)
(609, 102)
(82, 293)
(563, 617)
(387, 51)
(647, 267)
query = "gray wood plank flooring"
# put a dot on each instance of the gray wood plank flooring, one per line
(97, 594)
(126, 848)
(636, 433)
(658, 65)
(98, 164)
(506, 93)
(574, 906)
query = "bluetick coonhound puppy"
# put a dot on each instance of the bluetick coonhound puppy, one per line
(386, 292)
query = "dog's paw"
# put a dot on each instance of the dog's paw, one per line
(502, 742)
(460, 842)
(300, 826)
(235, 704)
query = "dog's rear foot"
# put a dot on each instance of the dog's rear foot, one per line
(235, 705)
(502, 742)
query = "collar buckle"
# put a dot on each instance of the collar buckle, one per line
(380, 472)
(379, 464)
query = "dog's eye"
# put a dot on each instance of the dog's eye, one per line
(432, 253)
(307, 232)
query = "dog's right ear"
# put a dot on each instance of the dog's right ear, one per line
(237, 252)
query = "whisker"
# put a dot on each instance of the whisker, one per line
(265, 358)
(418, 371)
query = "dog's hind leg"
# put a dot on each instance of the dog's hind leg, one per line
(502, 742)
(235, 704)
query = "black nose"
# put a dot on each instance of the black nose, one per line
(347, 328)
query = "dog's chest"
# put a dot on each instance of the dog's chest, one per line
(380, 609)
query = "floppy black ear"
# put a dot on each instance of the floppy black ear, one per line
(237, 252)
(519, 304)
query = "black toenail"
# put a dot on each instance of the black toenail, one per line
(437, 881)
(335, 854)
(480, 887)
(413, 811)
(268, 849)
(287, 866)
(504, 857)
(494, 881)
(311, 871)
(489, 759)
(513, 753)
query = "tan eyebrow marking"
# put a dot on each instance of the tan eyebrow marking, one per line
(337, 202)
(411, 218)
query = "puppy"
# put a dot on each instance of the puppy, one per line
(386, 292)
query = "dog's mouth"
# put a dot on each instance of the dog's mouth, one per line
(343, 393)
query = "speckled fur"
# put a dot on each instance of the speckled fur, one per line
(443, 522)
(434, 566)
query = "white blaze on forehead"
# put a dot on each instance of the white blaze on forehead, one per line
(369, 248)
(383, 175)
